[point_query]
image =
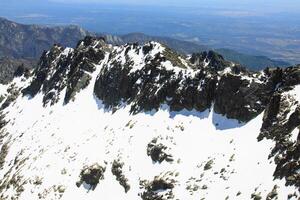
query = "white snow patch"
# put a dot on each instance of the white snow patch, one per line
(67, 51)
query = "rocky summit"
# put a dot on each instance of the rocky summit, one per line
(144, 122)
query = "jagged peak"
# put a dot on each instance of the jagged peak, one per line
(136, 55)
(210, 59)
(90, 41)
(58, 66)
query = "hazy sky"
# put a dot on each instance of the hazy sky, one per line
(260, 5)
(252, 3)
(293, 4)
(179, 2)
(250, 26)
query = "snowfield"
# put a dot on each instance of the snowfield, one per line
(213, 157)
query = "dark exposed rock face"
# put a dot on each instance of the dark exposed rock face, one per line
(146, 92)
(281, 119)
(238, 93)
(152, 85)
(84, 60)
(45, 65)
(210, 58)
(148, 76)
(66, 68)
(243, 96)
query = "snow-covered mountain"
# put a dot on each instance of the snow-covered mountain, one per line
(142, 122)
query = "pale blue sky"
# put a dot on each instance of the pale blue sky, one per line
(248, 5)
(252, 3)
(264, 5)
(277, 3)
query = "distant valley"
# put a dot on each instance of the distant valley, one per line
(264, 30)
(25, 43)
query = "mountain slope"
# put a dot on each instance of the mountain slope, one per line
(250, 61)
(29, 41)
(142, 122)
(23, 44)
(9, 65)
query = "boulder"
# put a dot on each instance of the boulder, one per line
(91, 175)
(160, 188)
(116, 170)
(158, 152)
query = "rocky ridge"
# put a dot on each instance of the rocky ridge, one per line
(151, 77)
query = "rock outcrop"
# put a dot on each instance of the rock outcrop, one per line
(116, 170)
(91, 175)
(68, 69)
(160, 188)
(281, 122)
(158, 152)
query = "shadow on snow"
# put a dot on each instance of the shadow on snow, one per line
(220, 122)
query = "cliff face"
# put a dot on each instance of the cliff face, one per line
(280, 123)
(151, 75)
(145, 104)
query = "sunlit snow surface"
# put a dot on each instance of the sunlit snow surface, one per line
(66, 138)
